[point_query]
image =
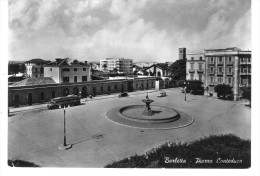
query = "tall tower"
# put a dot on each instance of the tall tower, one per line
(182, 53)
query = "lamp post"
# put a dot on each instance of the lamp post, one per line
(64, 146)
(185, 90)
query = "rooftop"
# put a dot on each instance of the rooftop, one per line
(65, 62)
(34, 81)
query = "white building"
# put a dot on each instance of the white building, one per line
(34, 68)
(62, 71)
(120, 65)
(195, 67)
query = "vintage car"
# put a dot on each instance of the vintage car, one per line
(124, 94)
(162, 94)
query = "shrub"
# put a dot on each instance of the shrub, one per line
(21, 163)
(211, 148)
(224, 91)
(247, 94)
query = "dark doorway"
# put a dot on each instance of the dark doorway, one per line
(84, 92)
(122, 88)
(30, 99)
(130, 86)
(66, 92)
(16, 100)
(75, 91)
(53, 94)
(94, 91)
(147, 87)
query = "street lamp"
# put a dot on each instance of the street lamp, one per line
(64, 146)
(185, 90)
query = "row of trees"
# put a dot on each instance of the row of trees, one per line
(14, 68)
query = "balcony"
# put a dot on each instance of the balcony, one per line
(245, 73)
(229, 73)
(211, 63)
(212, 72)
(220, 63)
(245, 63)
(229, 63)
(200, 71)
(219, 73)
(191, 70)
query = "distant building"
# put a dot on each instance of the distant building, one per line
(62, 71)
(120, 65)
(158, 70)
(34, 68)
(182, 53)
(144, 64)
(195, 66)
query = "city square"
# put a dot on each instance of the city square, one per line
(34, 133)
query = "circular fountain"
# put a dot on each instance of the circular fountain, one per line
(149, 117)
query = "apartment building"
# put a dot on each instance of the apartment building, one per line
(34, 68)
(121, 65)
(230, 66)
(61, 71)
(195, 66)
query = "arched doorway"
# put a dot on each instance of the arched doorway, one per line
(53, 94)
(147, 87)
(16, 100)
(29, 99)
(66, 92)
(84, 92)
(75, 91)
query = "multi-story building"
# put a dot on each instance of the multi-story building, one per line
(62, 71)
(230, 66)
(34, 68)
(120, 65)
(195, 66)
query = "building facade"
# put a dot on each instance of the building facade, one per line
(120, 65)
(61, 71)
(230, 66)
(34, 68)
(195, 66)
(158, 70)
(37, 92)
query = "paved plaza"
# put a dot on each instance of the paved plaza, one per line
(35, 134)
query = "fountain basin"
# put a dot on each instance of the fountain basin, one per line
(160, 114)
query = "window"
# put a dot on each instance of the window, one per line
(220, 59)
(115, 86)
(65, 69)
(84, 69)
(244, 81)
(42, 95)
(75, 79)
(212, 79)
(200, 66)
(192, 66)
(220, 69)
(200, 77)
(220, 80)
(66, 79)
(229, 59)
(192, 58)
(229, 80)
(211, 59)
(211, 69)
(36, 70)
(191, 76)
(249, 59)
(84, 78)
(75, 69)
(229, 69)
(50, 69)
(244, 70)
(200, 58)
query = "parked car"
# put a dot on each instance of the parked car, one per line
(162, 94)
(124, 94)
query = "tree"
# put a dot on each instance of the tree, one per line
(224, 91)
(178, 70)
(247, 94)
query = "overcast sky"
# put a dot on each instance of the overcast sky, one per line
(144, 30)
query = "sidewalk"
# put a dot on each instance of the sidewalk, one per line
(98, 97)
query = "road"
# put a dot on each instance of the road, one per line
(34, 135)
